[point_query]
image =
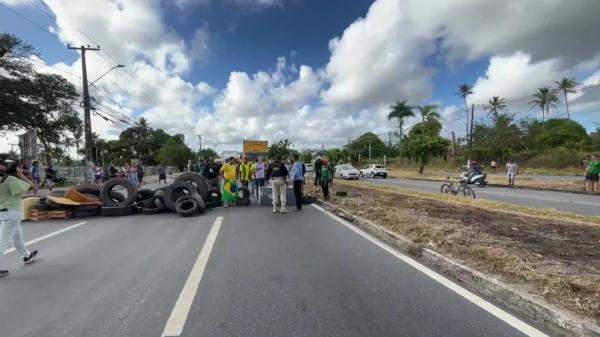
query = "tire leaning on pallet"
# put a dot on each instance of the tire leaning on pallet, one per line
(175, 191)
(107, 193)
(116, 210)
(186, 205)
(199, 182)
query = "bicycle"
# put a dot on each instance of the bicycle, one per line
(466, 190)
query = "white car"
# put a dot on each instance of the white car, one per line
(374, 170)
(346, 172)
(309, 168)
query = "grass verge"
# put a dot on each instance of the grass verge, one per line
(555, 254)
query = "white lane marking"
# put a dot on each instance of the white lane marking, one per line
(47, 236)
(480, 302)
(181, 310)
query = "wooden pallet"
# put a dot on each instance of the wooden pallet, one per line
(60, 214)
(35, 215)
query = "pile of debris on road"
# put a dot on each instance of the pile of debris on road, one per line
(189, 194)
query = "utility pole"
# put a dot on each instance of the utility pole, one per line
(453, 144)
(200, 142)
(471, 135)
(87, 120)
(12, 147)
(369, 150)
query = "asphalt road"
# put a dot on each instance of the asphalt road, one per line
(571, 202)
(241, 271)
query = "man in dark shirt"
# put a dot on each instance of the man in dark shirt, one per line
(278, 173)
(211, 173)
(50, 176)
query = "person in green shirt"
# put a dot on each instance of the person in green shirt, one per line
(12, 185)
(325, 178)
(592, 174)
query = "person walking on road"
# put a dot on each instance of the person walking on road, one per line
(51, 175)
(12, 185)
(511, 172)
(591, 174)
(298, 181)
(584, 166)
(140, 174)
(97, 175)
(318, 165)
(259, 176)
(326, 175)
(162, 174)
(277, 173)
(246, 172)
(228, 174)
(36, 176)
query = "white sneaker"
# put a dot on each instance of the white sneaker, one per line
(283, 211)
(274, 210)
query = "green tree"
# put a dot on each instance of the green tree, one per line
(31, 100)
(283, 148)
(207, 153)
(175, 152)
(423, 143)
(360, 146)
(306, 156)
(465, 90)
(561, 133)
(567, 85)
(493, 105)
(544, 98)
(400, 111)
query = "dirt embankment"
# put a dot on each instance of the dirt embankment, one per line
(556, 257)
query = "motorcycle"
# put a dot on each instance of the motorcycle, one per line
(472, 178)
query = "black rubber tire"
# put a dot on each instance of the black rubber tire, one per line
(175, 191)
(107, 192)
(150, 210)
(144, 194)
(117, 196)
(243, 202)
(42, 207)
(116, 211)
(160, 204)
(87, 208)
(243, 197)
(308, 199)
(78, 213)
(214, 198)
(52, 205)
(160, 194)
(186, 205)
(200, 202)
(445, 188)
(341, 193)
(57, 193)
(147, 203)
(198, 181)
(88, 189)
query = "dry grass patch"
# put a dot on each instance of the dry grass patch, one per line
(555, 254)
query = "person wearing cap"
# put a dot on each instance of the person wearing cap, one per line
(12, 185)
(228, 175)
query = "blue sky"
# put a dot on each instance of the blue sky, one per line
(215, 68)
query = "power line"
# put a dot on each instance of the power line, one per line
(28, 20)
(33, 61)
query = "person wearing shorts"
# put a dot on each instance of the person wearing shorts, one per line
(592, 174)
(511, 172)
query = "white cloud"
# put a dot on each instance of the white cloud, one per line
(200, 45)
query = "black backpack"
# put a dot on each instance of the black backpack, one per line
(276, 169)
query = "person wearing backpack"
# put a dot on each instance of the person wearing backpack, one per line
(12, 185)
(277, 173)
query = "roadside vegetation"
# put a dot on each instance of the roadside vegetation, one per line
(554, 254)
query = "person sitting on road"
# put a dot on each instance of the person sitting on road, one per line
(277, 173)
(12, 185)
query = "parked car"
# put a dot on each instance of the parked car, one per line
(346, 172)
(374, 170)
(309, 167)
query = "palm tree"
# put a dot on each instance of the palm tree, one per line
(428, 115)
(567, 85)
(465, 90)
(544, 98)
(400, 111)
(494, 104)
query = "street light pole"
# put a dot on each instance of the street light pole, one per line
(109, 70)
